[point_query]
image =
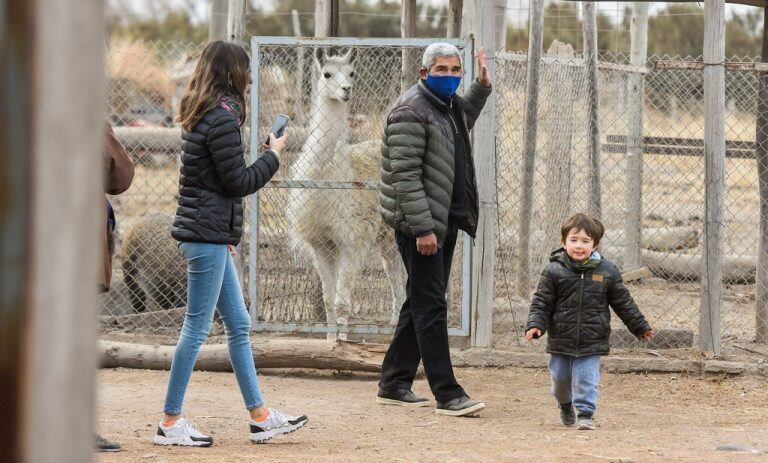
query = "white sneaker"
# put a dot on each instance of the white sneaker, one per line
(276, 423)
(182, 432)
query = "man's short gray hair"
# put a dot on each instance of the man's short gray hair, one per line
(439, 50)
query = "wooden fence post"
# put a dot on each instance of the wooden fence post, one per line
(484, 146)
(714, 177)
(530, 130)
(61, 136)
(236, 21)
(634, 200)
(594, 196)
(761, 156)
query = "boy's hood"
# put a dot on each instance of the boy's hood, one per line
(561, 257)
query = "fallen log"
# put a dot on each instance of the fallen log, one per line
(657, 239)
(665, 339)
(267, 353)
(687, 267)
(168, 139)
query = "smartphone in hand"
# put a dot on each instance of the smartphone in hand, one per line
(278, 127)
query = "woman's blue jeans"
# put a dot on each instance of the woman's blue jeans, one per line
(212, 283)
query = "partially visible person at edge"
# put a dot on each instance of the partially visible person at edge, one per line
(118, 175)
(209, 223)
(428, 193)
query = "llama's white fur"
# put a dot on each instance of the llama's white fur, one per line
(341, 230)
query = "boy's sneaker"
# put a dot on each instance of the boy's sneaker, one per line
(402, 397)
(567, 415)
(460, 406)
(276, 423)
(586, 423)
(182, 432)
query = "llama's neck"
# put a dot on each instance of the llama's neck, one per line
(327, 127)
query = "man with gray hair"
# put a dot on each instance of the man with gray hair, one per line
(428, 193)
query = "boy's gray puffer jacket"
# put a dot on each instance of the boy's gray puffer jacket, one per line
(417, 167)
(572, 302)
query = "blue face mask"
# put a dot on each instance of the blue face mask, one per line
(443, 86)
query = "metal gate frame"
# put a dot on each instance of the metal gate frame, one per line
(253, 245)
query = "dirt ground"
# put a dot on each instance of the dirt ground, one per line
(641, 418)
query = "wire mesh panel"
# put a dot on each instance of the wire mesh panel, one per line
(665, 281)
(325, 260)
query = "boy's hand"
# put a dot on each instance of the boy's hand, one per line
(533, 333)
(647, 336)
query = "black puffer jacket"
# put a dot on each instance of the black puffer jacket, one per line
(214, 179)
(572, 303)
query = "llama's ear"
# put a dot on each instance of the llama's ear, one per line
(349, 56)
(319, 57)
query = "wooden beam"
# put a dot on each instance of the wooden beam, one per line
(714, 177)
(760, 3)
(67, 216)
(699, 65)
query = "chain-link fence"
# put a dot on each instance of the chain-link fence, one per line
(322, 208)
(325, 257)
(654, 183)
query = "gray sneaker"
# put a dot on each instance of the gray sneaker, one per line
(567, 415)
(586, 423)
(460, 406)
(402, 397)
(104, 445)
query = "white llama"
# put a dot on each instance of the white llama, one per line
(341, 229)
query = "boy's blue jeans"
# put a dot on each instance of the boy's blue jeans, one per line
(212, 282)
(575, 380)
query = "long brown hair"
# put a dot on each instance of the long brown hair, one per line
(223, 69)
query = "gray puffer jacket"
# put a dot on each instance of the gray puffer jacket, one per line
(417, 167)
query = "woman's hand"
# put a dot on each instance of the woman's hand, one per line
(232, 250)
(277, 144)
(532, 334)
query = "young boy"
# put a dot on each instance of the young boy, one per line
(571, 301)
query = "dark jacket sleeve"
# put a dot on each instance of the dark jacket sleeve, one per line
(624, 306)
(118, 168)
(406, 139)
(543, 303)
(474, 101)
(226, 148)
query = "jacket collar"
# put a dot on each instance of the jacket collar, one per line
(436, 101)
(561, 257)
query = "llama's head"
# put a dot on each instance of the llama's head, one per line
(336, 75)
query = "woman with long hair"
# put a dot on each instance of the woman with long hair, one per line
(209, 223)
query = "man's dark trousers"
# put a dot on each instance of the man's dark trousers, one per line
(422, 331)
